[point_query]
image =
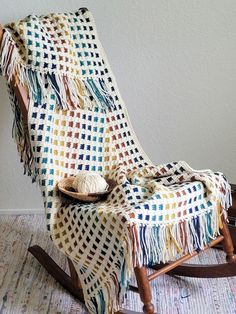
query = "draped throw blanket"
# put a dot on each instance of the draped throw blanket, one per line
(77, 120)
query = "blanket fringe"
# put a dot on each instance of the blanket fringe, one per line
(8, 56)
(71, 91)
(165, 243)
(109, 298)
(21, 137)
(149, 245)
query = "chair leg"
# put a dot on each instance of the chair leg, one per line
(144, 289)
(228, 243)
(74, 276)
(56, 272)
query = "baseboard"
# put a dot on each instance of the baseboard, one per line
(25, 211)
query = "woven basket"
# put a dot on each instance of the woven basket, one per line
(66, 187)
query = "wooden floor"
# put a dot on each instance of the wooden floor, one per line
(25, 287)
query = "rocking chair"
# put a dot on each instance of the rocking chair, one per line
(72, 283)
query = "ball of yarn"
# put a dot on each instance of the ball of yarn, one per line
(89, 182)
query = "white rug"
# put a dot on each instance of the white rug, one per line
(25, 287)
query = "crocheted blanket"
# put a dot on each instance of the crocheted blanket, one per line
(77, 120)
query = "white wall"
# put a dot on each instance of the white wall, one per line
(175, 63)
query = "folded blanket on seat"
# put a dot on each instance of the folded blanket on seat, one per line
(77, 120)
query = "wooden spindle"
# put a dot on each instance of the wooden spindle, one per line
(1, 33)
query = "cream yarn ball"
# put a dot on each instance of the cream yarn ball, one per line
(89, 182)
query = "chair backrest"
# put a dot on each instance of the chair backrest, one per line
(62, 142)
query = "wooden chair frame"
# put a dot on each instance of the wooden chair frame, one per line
(72, 283)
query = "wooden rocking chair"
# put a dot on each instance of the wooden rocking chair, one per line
(72, 283)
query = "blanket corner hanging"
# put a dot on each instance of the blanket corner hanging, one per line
(78, 121)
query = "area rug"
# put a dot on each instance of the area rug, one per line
(25, 287)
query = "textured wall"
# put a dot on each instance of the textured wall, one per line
(175, 63)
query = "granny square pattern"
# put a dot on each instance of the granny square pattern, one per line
(77, 121)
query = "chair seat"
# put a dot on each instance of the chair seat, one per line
(179, 218)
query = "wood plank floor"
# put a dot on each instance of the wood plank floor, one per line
(25, 287)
